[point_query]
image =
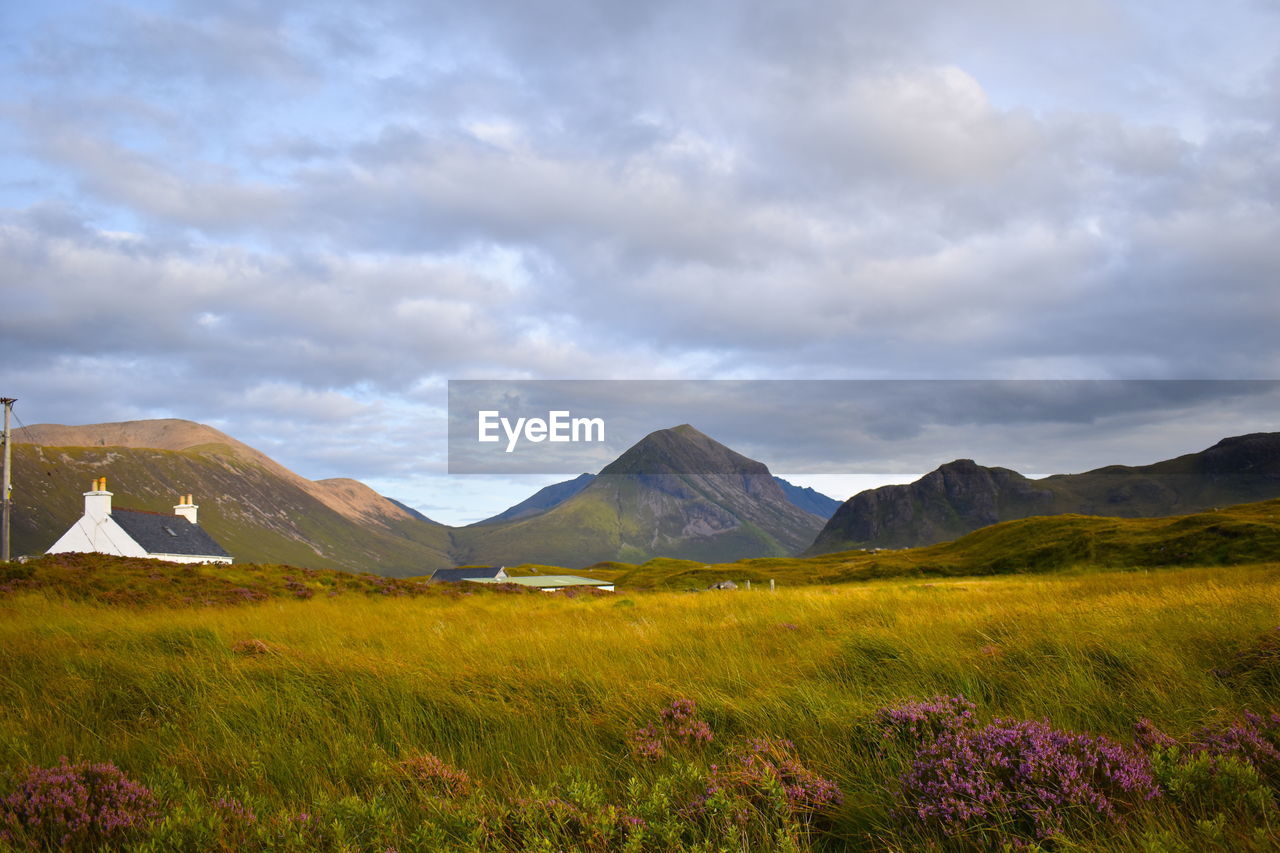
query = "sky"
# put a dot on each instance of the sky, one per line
(297, 221)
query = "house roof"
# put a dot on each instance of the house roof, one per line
(167, 534)
(467, 574)
(552, 581)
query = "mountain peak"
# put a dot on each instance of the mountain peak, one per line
(679, 450)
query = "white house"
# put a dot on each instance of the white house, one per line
(176, 538)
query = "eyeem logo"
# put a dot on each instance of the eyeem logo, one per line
(558, 426)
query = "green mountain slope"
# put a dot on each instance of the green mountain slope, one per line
(675, 493)
(255, 508)
(963, 496)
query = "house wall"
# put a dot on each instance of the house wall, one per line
(189, 558)
(97, 535)
(607, 587)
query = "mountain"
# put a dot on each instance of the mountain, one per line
(548, 497)
(256, 508)
(542, 500)
(809, 499)
(676, 492)
(411, 511)
(962, 496)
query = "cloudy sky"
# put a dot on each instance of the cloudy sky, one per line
(296, 221)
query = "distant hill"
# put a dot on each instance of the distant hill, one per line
(542, 500)
(676, 492)
(411, 511)
(256, 508)
(809, 499)
(962, 496)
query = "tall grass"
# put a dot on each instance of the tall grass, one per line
(307, 706)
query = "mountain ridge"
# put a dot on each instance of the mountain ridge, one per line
(961, 496)
(346, 496)
(263, 512)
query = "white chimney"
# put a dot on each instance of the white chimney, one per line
(186, 509)
(97, 501)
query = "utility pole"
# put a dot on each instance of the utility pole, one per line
(5, 487)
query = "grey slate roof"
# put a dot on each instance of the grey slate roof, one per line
(167, 534)
(472, 573)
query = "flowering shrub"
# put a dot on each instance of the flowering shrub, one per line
(1148, 738)
(436, 775)
(681, 725)
(297, 587)
(917, 723)
(1021, 779)
(80, 806)
(1253, 739)
(677, 725)
(1220, 771)
(235, 811)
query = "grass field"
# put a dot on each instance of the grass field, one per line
(375, 720)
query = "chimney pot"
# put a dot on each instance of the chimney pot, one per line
(186, 508)
(97, 501)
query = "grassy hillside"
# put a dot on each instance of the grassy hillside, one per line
(536, 722)
(252, 509)
(1248, 533)
(138, 582)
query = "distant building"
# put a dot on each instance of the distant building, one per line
(551, 583)
(177, 538)
(469, 573)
